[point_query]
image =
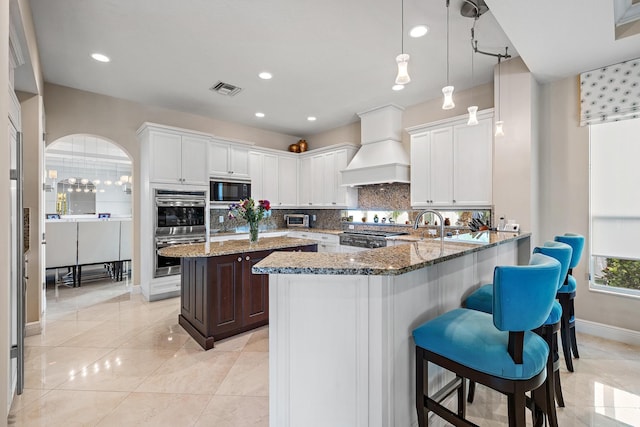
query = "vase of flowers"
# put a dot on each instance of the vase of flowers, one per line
(251, 212)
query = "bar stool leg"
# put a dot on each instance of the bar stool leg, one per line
(421, 373)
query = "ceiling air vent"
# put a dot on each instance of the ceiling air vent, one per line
(225, 88)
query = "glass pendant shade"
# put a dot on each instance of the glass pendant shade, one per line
(473, 116)
(448, 98)
(499, 131)
(403, 73)
(72, 180)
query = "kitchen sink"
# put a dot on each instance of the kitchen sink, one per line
(480, 238)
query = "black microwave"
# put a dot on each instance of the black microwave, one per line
(224, 191)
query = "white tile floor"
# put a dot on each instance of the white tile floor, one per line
(107, 357)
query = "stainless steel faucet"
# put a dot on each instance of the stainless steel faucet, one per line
(439, 215)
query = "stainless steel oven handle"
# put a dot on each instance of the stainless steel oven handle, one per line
(188, 203)
(178, 241)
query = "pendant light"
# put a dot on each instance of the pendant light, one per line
(447, 91)
(403, 59)
(499, 123)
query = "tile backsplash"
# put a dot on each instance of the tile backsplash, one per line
(328, 219)
(394, 197)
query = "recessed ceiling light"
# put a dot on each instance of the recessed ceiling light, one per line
(258, 114)
(418, 31)
(397, 87)
(100, 57)
(265, 75)
(311, 119)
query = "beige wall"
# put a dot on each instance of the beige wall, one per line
(31, 113)
(71, 111)
(426, 112)
(514, 168)
(564, 201)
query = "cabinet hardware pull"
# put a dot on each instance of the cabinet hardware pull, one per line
(239, 259)
(248, 258)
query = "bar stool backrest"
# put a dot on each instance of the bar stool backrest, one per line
(576, 241)
(560, 251)
(523, 295)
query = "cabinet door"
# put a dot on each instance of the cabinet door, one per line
(345, 196)
(304, 186)
(270, 177)
(194, 160)
(166, 155)
(441, 167)
(329, 180)
(317, 182)
(219, 159)
(195, 293)
(238, 160)
(255, 172)
(255, 290)
(225, 276)
(420, 169)
(287, 181)
(473, 160)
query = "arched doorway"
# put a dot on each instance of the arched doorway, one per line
(88, 222)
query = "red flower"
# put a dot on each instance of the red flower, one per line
(266, 205)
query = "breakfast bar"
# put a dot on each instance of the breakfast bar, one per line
(341, 352)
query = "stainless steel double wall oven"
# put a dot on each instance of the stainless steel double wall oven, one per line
(180, 219)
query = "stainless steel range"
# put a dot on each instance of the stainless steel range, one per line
(367, 239)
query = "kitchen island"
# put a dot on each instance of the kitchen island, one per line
(340, 346)
(219, 296)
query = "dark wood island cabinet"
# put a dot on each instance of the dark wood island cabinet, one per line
(220, 297)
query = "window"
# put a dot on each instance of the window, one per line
(615, 206)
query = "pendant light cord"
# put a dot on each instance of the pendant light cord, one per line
(402, 27)
(447, 42)
(499, 92)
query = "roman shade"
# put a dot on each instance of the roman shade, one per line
(610, 93)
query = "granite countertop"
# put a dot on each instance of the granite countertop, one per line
(229, 247)
(391, 260)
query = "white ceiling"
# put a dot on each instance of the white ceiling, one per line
(330, 59)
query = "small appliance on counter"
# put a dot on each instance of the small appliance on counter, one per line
(297, 220)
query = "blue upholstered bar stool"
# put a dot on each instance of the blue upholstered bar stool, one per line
(566, 295)
(482, 300)
(498, 350)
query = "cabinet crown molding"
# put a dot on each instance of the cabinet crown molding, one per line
(461, 119)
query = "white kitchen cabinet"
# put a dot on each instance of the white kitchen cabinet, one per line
(320, 179)
(305, 197)
(228, 159)
(287, 181)
(326, 242)
(451, 163)
(274, 176)
(174, 156)
(473, 159)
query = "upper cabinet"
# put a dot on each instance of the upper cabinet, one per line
(274, 177)
(228, 158)
(174, 156)
(452, 163)
(320, 178)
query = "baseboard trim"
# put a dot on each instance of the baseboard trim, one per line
(32, 328)
(615, 333)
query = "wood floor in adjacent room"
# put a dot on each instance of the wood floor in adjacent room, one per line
(108, 358)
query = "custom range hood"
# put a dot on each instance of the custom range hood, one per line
(381, 159)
